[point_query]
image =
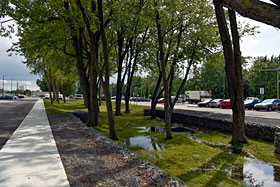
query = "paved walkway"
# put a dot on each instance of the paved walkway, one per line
(30, 156)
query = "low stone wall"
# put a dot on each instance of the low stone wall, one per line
(255, 128)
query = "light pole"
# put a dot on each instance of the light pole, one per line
(3, 84)
(11, 86)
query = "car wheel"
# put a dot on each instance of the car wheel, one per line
(257, 109)
(249, 108)
(269, 108)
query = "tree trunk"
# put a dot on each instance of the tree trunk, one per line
(64, 92)
(99, 93)
(48, 77)
(106, 89)
(77, 44)
(154, 97)
(119, 74)
(238, 128)
(234, 76)
(94, 38)
(129, 81)
(93, 111)
(53, 90)
(164, 79)
(120, 79)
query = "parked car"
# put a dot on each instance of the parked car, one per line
(113, 97)
(225, 104)
(60, 96)
(204, 103)
(132, 99)
(161, 100)
(6, 97)
(251, 98)
(47, 96)
(268, 104)
(20, 96)
(143, 99)
(278, 106)
(78, 96)
(71, 97)
(181, 99)
(249, 104)
(215, 103)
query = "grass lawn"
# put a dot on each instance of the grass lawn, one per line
(195, 163)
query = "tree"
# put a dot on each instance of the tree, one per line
(210, 76)
(257, 10)
(182, 38)
(232, 56)
(43, 85)
(258, 76)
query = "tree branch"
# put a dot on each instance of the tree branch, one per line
(256, 10)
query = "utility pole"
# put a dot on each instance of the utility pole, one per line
(3, 84)
(277, 82)
(11, 86)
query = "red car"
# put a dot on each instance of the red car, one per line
(225, 104)
(161, 100)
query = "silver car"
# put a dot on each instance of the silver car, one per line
(268, 104)
(215, 103)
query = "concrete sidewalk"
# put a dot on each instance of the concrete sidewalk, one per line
(30, 157)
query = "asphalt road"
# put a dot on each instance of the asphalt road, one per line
(12, 113)
(251, 113)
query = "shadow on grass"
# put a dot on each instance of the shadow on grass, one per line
(217, 170)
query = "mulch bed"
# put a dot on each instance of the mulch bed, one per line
(91, 159)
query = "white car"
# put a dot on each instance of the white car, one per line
(78, 96)
(215, 103)
(47, 96)
(60, 96)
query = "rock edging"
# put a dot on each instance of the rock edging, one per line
(158, 178)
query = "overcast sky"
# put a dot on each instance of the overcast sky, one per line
(265, 43)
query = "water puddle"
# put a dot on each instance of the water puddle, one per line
(260, 174)
(146, 142)
(157, 130)
(253, 171)
(160, 130)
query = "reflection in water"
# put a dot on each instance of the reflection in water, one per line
(146, 142)
(157, 130)
(160, 130)
(253, 172)
(258, 174)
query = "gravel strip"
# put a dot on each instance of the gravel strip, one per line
(91, 159)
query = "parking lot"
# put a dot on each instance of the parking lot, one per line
(12, 112)
(187, 106)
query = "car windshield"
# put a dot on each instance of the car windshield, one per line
(248, 101)
(268, 101)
